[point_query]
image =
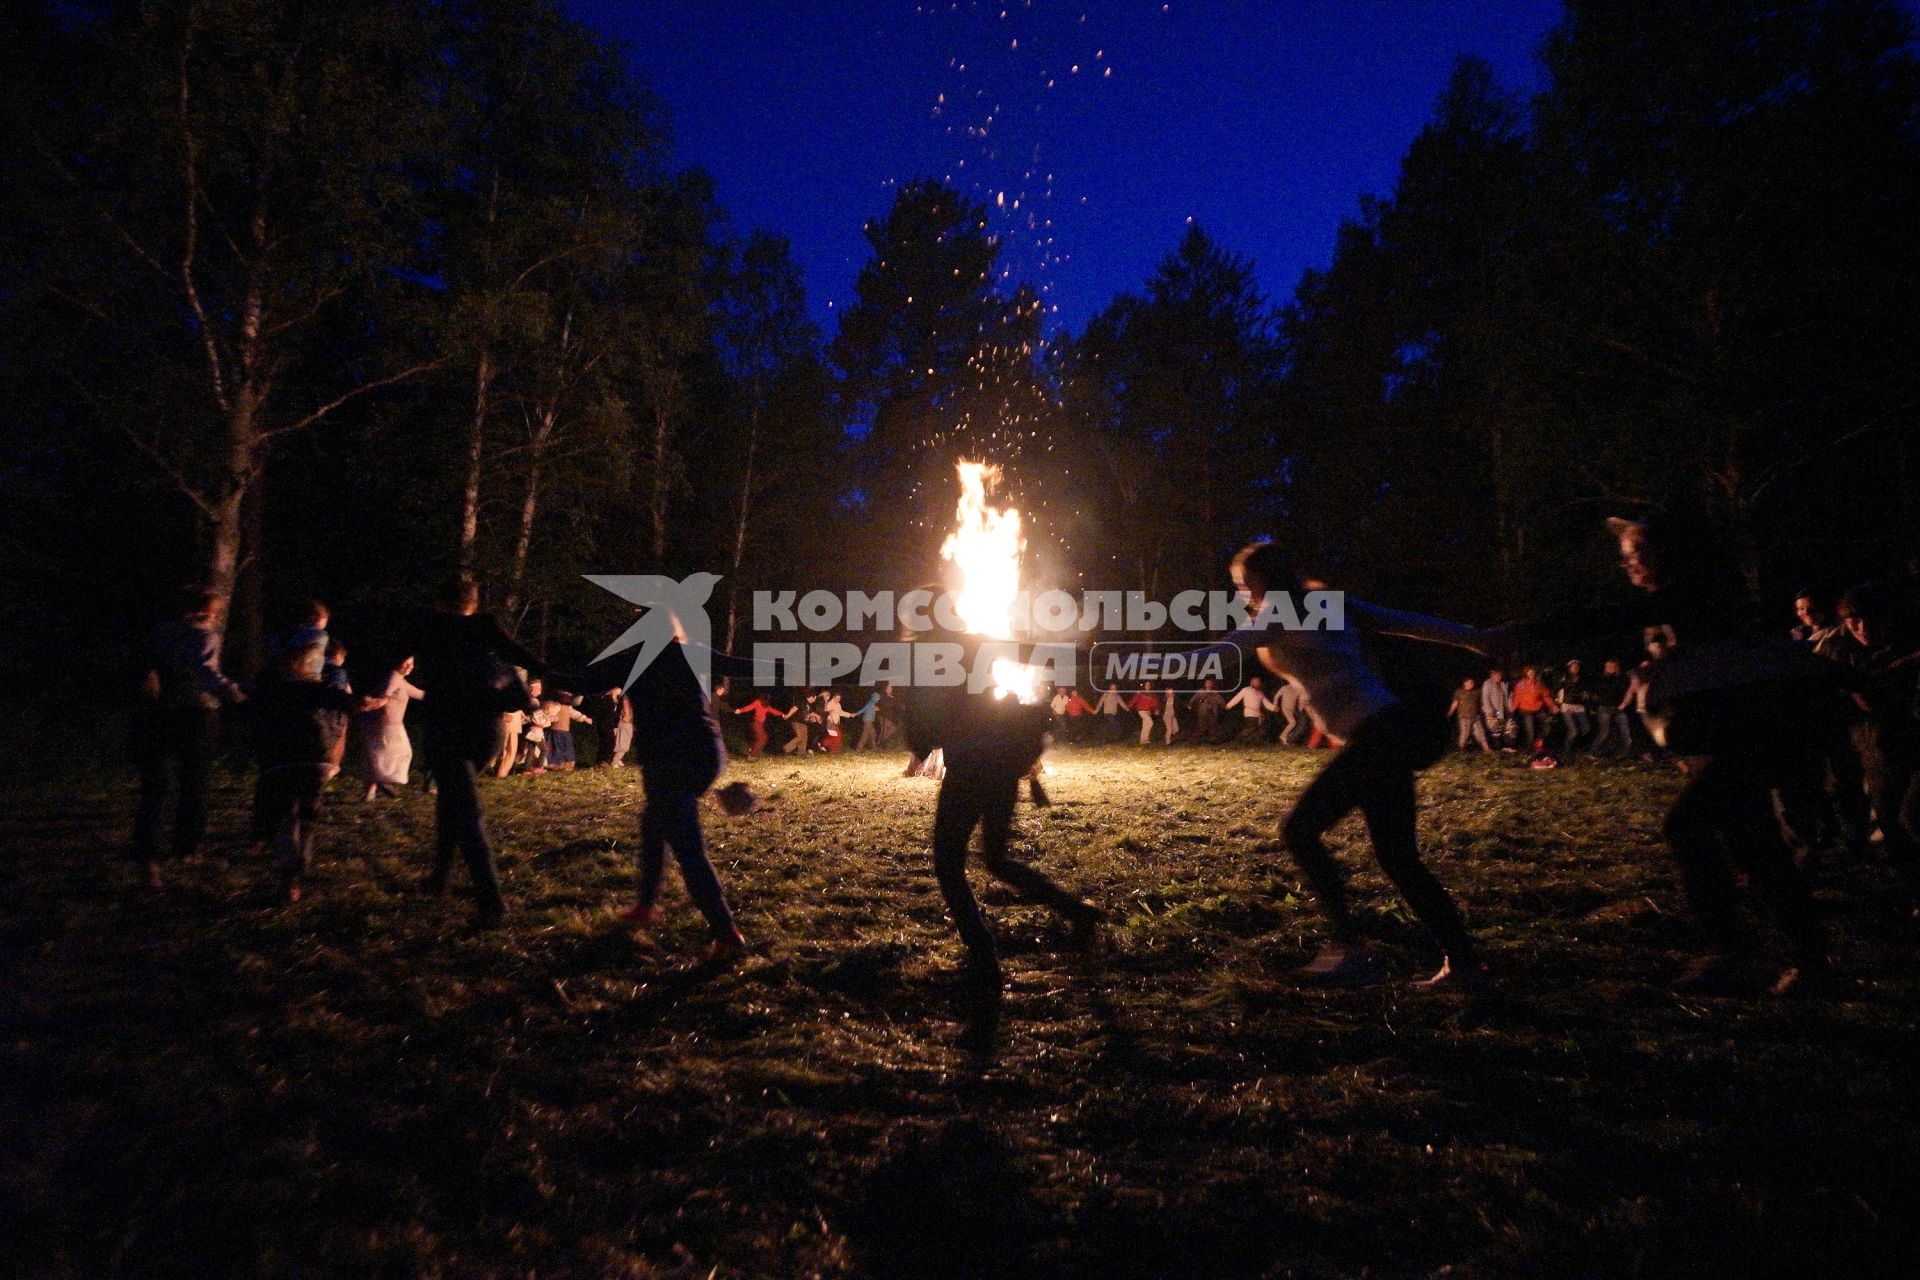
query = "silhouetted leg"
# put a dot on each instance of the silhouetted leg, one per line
(1391, 810)
(955, 814)
(1331, 796)
(996, 833)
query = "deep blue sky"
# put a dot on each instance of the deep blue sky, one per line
(1263, 121)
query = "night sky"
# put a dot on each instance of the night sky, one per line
(1262, 121)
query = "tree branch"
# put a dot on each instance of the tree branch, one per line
(190, 490)
(190, 176)
(327, 408)
(106, 214)
(1877, 423)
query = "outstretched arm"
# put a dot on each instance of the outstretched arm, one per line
(1419, 626)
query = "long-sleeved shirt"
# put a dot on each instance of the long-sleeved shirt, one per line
(185, 657)
(1111, 703)
(759, 709)
(1496, 700)
(1532, 696)
(1147, 704)
(1343, 687)
(1252, 702)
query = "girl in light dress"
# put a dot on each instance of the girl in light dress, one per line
(383, 734)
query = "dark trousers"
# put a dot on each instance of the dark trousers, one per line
(1724, 819)
(984, 796)
(173, 749)
(1613, 724)
(286, 803)
(1374, 774)
(606, 727)
(671, 819)
(456, 751)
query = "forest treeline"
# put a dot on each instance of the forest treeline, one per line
(307, 299)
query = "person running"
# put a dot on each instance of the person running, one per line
(988, 744)
(1385, 741)
(681, 752)
(1465, 710)
(1737, 707)
(467, 670)
(178, 727)
(759, 709)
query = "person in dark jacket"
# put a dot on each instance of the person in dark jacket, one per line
(989, 744)
(1736, 707)
(681, 752)
(465, 665)
(178, 727)
(294, 711)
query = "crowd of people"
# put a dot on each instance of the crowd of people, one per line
(1789, 742)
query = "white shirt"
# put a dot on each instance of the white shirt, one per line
(1251, 702)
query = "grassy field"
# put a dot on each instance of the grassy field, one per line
(199, 1083)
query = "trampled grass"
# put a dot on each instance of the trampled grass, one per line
(200, 1083)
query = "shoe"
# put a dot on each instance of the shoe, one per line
(1472, 979)
(156, 879)
(726, 950)
(1339, 965)
(290, 891)
(488, 918)
(1716, 974)
(638, 916)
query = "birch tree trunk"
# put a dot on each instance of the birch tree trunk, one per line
(661, 489)
(529, 512)
(476, 451)
(740, 527)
